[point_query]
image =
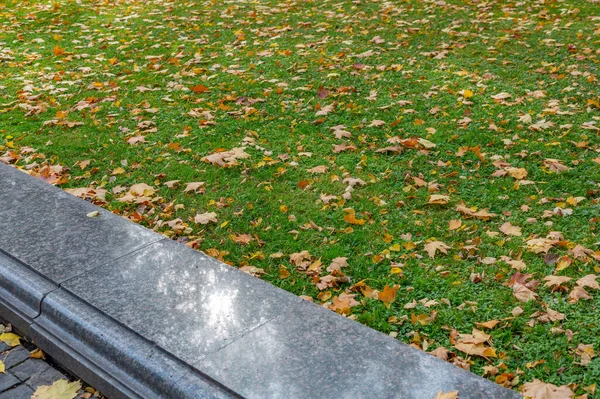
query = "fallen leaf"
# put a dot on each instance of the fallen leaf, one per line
(350, 217)
(433, 247)
(447, 395)
(206, 218)
(10, 339)
(541, 390)
(61, 389)
(510, 230)
(438, 199)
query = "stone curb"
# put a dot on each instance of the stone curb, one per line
(139, 316)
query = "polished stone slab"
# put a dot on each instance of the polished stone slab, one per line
(49, 230)
(113, 358)
(188, 303)
(21, 292)
(311, 352)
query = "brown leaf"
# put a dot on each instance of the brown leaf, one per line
(588, 281)
(510, 230)
(199, 89)
(206, 218)
(578, 293)
(541, 390)
(438, 199)
(196, 187)
(318, 169)
(432, 247)
(226, 158)
(522, 293)
(454, 224)
(517, 173)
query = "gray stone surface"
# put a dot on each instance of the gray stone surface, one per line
(313, 353)
(21, 291)
(186, 302)
(7, 381)
(19, 392)
(47, 229)
(15, 356)
(46, 377)
(29, 368)
(112, 358)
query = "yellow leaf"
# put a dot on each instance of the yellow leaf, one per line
(37, 354)
(2, 367)
(283, 272)
(467, 94)
(447, 395)
(10, 339)
(61, 389)
(563, 263)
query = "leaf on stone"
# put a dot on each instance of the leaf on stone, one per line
(2, 367)
(61, 389)
(206, 218)
(541, 390)
(447, 395)
(10, 339)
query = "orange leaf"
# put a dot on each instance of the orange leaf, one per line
(350, 217)
(199, 89)
(388, 295)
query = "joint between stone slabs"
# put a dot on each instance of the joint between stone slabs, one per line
(140, 248)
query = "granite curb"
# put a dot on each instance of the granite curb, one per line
(139, 316)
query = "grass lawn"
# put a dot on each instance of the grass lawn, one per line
(425, 167)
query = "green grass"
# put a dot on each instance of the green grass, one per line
(263, 63)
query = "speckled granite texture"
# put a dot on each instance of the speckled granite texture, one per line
(139, 316)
